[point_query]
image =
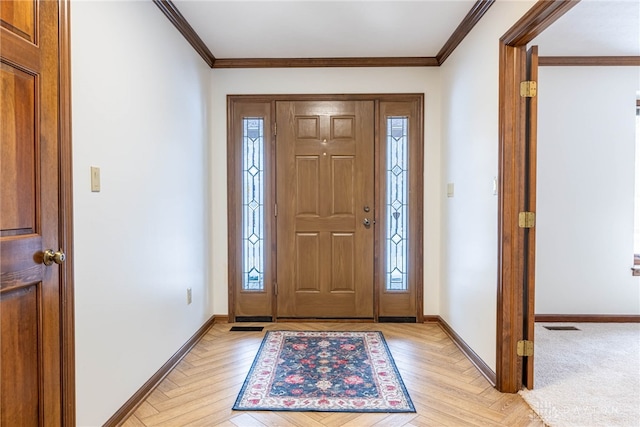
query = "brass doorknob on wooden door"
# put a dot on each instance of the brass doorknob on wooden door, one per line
(49, 257)
(366, 222)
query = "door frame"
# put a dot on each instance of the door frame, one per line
(234, 191)
(515, 304)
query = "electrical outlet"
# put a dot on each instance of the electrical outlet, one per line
(189, 299)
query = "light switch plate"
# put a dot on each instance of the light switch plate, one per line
(95, 179)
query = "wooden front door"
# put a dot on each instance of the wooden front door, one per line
(325, 203)
(31, 366)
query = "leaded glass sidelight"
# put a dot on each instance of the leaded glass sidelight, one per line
(253, 204)
(396, 203)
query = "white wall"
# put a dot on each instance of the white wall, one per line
(586, 155)
(331, 81)
(140, 111)
(470, 162)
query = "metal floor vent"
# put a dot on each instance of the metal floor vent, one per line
(392, 319)
(562, 328)
(254, 319)
(246, 328)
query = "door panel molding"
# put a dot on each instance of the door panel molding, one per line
(341, 127)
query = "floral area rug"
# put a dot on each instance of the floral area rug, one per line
(324, 371)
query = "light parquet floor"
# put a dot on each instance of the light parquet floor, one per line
(446, 389)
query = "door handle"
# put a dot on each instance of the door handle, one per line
(49, 257)
(366, 222)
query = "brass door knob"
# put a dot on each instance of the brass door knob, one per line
(49, 257)
(366, 222)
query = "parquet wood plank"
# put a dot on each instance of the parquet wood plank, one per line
(396, 420)
(282, 419)
(446, 389)
(156, 397)
(133, 421)
(146, 410)
(246, 420)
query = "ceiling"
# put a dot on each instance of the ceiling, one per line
(233, 29)
(324, 29)
(594, 28)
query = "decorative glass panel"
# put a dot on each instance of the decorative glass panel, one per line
(253, 204)
(396, 201)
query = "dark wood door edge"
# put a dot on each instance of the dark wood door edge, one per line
(67, 337)
(138, 398)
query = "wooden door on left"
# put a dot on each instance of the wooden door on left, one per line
(31, 297)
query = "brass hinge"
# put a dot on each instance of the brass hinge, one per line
(527, 219)
(525, 348)
(275, 128)
(528, 89)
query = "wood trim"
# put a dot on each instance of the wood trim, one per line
(220, 318)
(588, 318)
(473, 357)
(138, 398)
(590, 61)
(325, 62)
(512, 247)
(326, 97)
(418, 210)
(431, 318)
(173, 14)
(470, 20)
(536, 20)
(232, 230)
(67, 338)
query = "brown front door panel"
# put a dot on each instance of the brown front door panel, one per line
(325, 196)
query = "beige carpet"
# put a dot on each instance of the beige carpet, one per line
(587, 378)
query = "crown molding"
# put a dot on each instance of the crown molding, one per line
(325, 62)
(589, 61)
(470, 20)
(173, 14)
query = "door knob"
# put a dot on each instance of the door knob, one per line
(49, 257)
(366, 222)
